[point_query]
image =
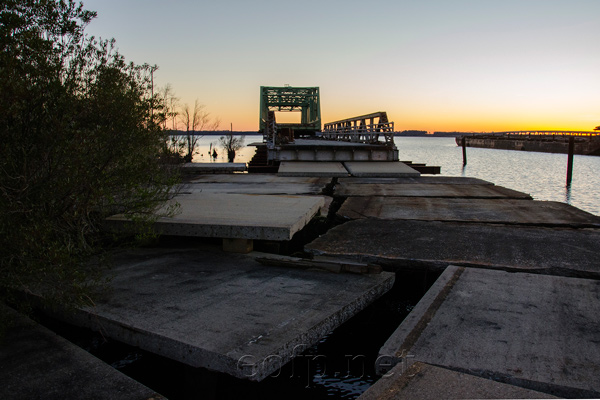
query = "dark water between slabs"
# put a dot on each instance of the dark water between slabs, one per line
(340, 366)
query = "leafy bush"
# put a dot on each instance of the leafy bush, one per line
(81, 139)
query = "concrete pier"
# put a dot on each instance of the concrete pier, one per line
(503, 210)
(534, 331)
(299, 168)
(344, 189)
(331, 150)
(434, 245)
(380, 169)
(213, 168)
(238, 216)
(35, 363)
(224, 312)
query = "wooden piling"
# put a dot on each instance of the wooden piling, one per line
(570, 160)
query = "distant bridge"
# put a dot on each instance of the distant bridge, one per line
(538, 132)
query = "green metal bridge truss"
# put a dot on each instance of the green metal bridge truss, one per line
(305, 100)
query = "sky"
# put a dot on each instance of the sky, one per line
(434, 65)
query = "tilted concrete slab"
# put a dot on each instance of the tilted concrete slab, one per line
(212, 168)
(434, 245)
(35, 363)
(238, 216)
(535, 331)
(509, 211)
(307, 168)
(263, 179)
(422, 381)
(428, 190)
(254, 188)
(448, 180)
(380, 169)
(222, 311)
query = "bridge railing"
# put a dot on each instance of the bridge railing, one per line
(542, 133)
(363, 133)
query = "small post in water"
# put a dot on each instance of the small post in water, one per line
(464, 147)
(570, 160)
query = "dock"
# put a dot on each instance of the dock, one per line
(224, 312)
(513, 313)
(516, 328)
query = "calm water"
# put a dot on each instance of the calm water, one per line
(542, 175)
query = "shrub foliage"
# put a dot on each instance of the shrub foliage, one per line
(80, 139)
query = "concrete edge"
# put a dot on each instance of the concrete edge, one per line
(450, 384)
(272, 363)
(397, 348)
(234, 363)
(85, 362)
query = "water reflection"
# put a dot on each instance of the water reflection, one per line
(568, 193)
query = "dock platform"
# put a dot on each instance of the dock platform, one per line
(516, 328)
(213, 168)
(224, 312)
(423, 381)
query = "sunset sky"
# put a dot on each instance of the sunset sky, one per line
(442, 65)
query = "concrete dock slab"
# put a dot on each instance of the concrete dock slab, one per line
(428, 190)
(433, 245)
(238, 216)
(214, 168)
(224, 312)
(306, 168)
(35, 363)
(507, 211)
(253, 188)
(266, 179)
(539, 332)
(448, 180)
(380, 169)
(422, 381)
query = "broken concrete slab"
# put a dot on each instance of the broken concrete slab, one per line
(307, 168)
(380, 169)
(35, 363)
(224, 312)
(213, 168)
(507, 211)
(448, 180)
(433, 245)
(266, 179)
(254, 188)
(238, 216)
(428, 190)
(422, 381)
(534, 331)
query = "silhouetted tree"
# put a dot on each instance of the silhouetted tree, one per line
(196, 119)
(81, 138)
(231, 145)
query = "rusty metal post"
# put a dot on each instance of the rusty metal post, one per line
(464, 149)
(570, 160)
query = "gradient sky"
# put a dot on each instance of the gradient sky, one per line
(467, 65)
